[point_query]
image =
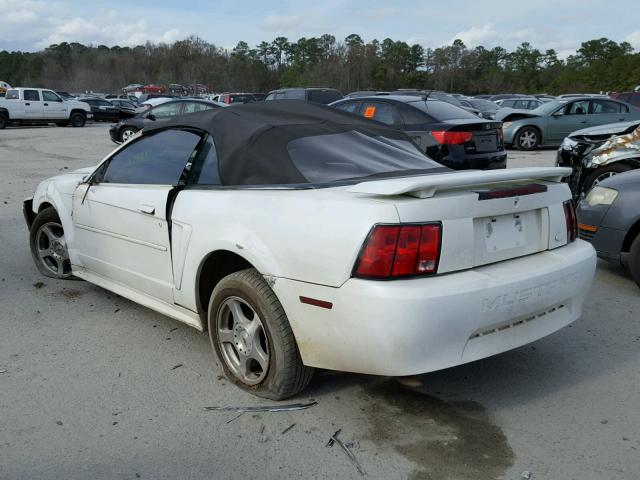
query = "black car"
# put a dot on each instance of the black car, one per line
(121, 132)
(312, 94)
(487, 108)
(126, 107)
(446, 133)
(103, 110)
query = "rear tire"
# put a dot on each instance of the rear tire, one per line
(527, 138)
(77, 119)
(252, 338)
(602, 173)
(634, 260)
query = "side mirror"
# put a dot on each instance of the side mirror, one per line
(151, 117)
(559, 113)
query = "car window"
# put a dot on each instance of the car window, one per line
(324, 96)
(296, 94)
(167, 110)
(192, 107)
(157, 159)
(205, 171)
(49, 96)
(604, 106)
(32, 95)
(520, 104)
(580, 107)
(382, 112)
(533, 104)
(12, 95)
(271, 96)
(440, 111)
(348, 106)
(412, 118)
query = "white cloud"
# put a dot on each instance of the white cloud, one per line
(634, 39)
(280, 23)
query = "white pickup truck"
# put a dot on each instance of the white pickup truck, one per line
(39, 105)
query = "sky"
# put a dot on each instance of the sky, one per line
(30, 25)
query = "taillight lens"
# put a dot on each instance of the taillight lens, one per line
(227, 99)
(445, 137)
(500, 135)
(571, 220)
(394, 251)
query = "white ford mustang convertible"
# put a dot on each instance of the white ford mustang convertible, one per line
(304, 237)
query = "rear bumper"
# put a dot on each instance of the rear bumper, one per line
(414, 326)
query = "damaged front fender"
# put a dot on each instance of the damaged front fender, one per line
(616, 149)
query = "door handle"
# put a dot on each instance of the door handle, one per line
(584, 121)
(621, 119)
(27, 104)
(46, 104)
(148, 209)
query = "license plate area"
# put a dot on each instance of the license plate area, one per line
(500, 237)
(486, 143)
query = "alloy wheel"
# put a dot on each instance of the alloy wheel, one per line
(52, 250)
(242, 340)
(528, 139)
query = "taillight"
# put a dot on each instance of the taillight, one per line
(393, 251)
(446, 137)
(227, 99)
(571, 220)
(501, 135)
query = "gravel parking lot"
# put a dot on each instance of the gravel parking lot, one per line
(95, 386)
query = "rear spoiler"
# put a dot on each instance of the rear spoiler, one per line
(426, 186)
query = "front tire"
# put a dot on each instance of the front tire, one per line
(252, 338)
(127, 133)
(634, 260)
(77, 119)
(49, 246)
(527, 138)
(4, 121)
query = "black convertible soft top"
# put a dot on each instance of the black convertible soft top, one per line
(295, 142)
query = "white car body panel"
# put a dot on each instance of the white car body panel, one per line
(306, 242)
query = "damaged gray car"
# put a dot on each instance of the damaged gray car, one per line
(597, 153)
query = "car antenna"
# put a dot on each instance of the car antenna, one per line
(427, 96)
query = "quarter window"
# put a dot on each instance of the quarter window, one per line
(158, 159)
(348, 106)
(206, 172)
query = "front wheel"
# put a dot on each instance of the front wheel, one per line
(527, 138)
(77, 119)
(252, 338)
(49, 246)
(127, 133)
(602, 173)
(634, 260)
(4, 121)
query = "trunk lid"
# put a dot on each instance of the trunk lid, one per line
(487, 216)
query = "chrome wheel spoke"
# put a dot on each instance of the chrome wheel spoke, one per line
(260, 356)
(225, 336)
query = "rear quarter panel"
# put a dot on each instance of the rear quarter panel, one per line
(307, 235)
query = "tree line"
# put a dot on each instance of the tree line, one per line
(349, 64)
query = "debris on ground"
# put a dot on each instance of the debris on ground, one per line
(176, 366)
(38, 285)
(267, 408)
(334, 439)
(173, 329)
(526, 475)
(288, 428)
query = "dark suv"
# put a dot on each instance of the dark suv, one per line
(314, 94)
